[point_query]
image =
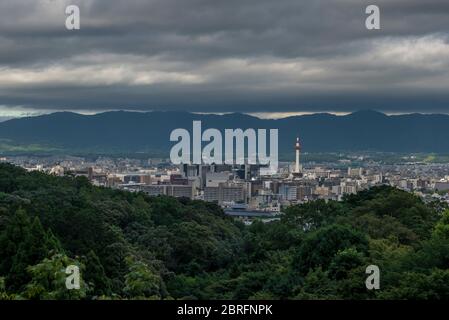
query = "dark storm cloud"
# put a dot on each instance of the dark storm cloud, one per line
(246, 55)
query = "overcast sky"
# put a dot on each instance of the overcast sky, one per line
(281, 56)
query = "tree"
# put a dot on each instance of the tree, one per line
(343, 262)
(96, 277)
(133, 244)
(24, 242)
(48, 280)
(313, 215)
(3, 294)
(320, 247)
(434, 253)
(141, 281)
(413, 285)
(317, 285)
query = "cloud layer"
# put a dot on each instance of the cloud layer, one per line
(222, 56)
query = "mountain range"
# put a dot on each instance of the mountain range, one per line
(124, 131)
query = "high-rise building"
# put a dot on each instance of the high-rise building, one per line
(177, 191)
(190, 170)
(288, 192)
(213, 179)
(178, 179)
(227, 193)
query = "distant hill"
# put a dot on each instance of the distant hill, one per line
(122, 131)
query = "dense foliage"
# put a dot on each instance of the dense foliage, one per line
(131, 246)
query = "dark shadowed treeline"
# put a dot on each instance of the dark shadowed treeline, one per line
(131, 246)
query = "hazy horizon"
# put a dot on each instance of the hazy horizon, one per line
(4, 115)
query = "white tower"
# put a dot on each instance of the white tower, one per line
(298, 150)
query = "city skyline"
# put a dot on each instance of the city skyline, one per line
(245, 191)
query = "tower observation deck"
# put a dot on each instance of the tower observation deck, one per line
(298, 151)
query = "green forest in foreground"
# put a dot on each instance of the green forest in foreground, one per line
(131, 246)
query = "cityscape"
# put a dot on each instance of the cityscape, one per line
(224, 158)
(244, 191)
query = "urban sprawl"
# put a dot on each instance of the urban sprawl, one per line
(243, 191)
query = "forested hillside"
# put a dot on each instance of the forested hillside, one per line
(131, 246)
(135, 132)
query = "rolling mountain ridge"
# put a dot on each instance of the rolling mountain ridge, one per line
(123, 131)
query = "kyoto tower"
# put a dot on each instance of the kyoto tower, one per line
(298, 150)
